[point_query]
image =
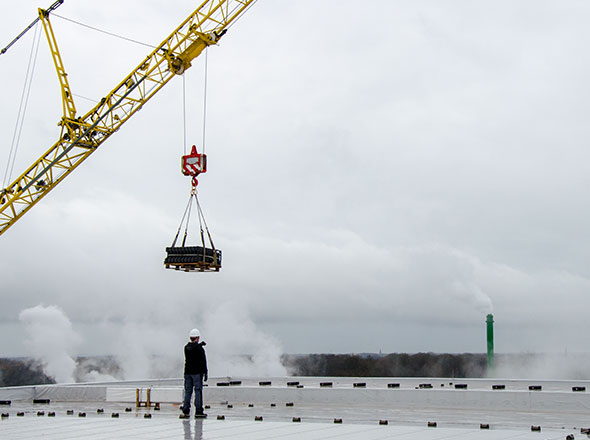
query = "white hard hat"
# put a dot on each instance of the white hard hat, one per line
(194, 333)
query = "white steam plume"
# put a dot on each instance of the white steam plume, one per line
(51, 340)
(543, 366)
(151, 346)
(236, 347)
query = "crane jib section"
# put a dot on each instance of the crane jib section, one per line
(81, 136)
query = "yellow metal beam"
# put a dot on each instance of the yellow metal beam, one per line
(69, 109)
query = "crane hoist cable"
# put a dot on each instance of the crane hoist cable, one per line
(205, 98)
(204, 258)
(184, 112)
(179, 256)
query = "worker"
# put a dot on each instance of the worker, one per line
(195, 373)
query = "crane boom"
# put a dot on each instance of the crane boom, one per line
(81, 136)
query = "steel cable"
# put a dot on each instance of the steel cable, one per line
(182, 221)
(188, 219)
(184, 111)
(200, 210)
(22, 107)
(205, 97)
(104, 32)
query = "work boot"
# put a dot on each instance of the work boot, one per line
(200, 415)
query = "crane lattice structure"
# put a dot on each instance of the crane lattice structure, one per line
(82, 135)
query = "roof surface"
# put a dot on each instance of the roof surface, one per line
(306, 409)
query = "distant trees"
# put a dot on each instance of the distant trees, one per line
(391, 365)
(15, 372)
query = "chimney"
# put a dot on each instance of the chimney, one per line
(490, 334)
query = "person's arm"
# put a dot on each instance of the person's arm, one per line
(206, 375)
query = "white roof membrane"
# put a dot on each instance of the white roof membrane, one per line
(361, 403)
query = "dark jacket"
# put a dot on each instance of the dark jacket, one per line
(195, 360)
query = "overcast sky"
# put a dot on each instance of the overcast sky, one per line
(382, 174)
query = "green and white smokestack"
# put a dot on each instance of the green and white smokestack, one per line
(490, 333)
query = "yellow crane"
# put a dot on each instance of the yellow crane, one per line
(82, 135)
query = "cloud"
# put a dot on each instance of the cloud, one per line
(421, 166)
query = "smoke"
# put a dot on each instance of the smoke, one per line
(148, 348)
(564, 366)
(150, 345)
(236, 347)
(96, 376)
(51, 340)
(472, 294)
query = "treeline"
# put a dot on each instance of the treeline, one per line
(390, 365)
(16, 372)
(26, 371)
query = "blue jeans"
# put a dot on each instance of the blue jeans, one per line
(193, 381)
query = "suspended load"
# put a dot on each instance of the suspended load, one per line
(191, 258)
